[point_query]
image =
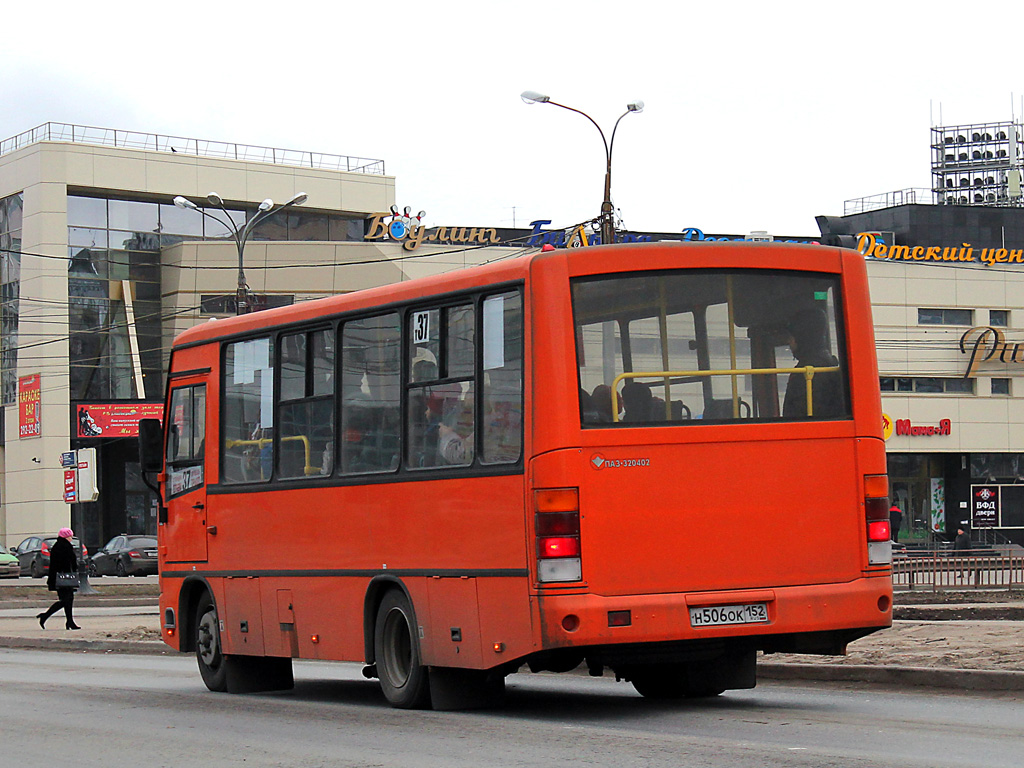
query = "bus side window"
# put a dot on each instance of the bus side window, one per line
(371, 381)
(502, 385)
(306, 410)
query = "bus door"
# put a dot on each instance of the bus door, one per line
(184, 534)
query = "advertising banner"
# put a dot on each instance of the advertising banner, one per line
(984, 506)
(30, 422)
(114, 419)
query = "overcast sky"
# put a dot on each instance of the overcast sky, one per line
(758, 116)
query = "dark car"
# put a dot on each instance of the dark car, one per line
(34, 555)
(125, 555)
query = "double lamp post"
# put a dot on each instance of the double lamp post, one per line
(240, 233)
(607, 209)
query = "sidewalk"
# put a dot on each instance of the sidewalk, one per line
(979, 647)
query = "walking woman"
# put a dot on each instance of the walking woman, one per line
(62, 560)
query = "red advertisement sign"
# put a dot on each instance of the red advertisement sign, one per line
(114, 419)
(70, 486)
(30, 423)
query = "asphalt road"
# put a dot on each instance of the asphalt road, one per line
(112, 710)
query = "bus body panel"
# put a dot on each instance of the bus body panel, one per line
(704, 516)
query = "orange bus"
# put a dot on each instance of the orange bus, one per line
(653, 459)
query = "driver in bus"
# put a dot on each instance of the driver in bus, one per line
(808, 341)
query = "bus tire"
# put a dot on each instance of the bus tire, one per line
(403, 678)
(209, 652)
(659, 681)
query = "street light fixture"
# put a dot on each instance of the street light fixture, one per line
(240, 234)
(607, 216)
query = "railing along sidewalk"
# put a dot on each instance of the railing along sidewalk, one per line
(959, 569)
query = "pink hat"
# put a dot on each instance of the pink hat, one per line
(65, 533)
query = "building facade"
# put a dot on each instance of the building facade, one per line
(94, 283)
(947, 289)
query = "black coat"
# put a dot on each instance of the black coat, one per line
(826, 389)
(62, 560)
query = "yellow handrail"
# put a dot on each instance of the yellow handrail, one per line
(309, 469)
(808, 371)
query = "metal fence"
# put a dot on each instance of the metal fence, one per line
(964, 569)
(111, 137)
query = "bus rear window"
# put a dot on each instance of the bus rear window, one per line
(709, 345)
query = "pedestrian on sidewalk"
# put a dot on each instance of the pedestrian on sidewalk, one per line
(62, 560)
(895, 521)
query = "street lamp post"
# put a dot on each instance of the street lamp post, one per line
(240, 234)
(607, 214)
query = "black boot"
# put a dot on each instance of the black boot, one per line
(48, 613)
(71, 625)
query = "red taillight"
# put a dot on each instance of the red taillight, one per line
(133, 553)
(557, 522)
(879, 531)
(558, 546)
(876, 515)
(46, 549)
(85, 551)
(557, 528)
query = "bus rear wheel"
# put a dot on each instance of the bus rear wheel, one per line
(403, 678)
(209, 655)
(670, 681)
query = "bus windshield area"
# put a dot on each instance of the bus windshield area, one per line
(693, 346)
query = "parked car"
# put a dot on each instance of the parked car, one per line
(10, 568)
(125, 555)
(34, 555)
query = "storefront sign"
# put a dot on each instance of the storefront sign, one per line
(904, 428)
(410, 233)
(30, 422)
(114, 419)
(986, 343)
(869, 245)
(984, 506)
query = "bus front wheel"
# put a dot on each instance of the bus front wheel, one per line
(209, 654)
(403, 678)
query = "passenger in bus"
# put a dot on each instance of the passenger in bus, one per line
(587, 410)
(601, 400)
(637, 399)
(455, 440)
(808, 340)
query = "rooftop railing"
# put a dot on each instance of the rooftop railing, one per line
(888, 200)
(154, 142)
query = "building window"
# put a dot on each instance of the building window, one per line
(225, 304)
(1000, 386)
(945, 316)
(999, 318)
(928, 385)
(10, 280)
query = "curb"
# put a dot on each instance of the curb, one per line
(142, 647)
(959, 679)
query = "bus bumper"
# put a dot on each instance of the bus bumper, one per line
(799, 619)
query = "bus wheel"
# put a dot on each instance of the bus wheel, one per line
(659, 681)
(670, 681)
(208, 648)
(403, 678)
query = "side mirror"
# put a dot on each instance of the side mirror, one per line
(151, 445)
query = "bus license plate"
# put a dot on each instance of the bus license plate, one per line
(715, 615)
